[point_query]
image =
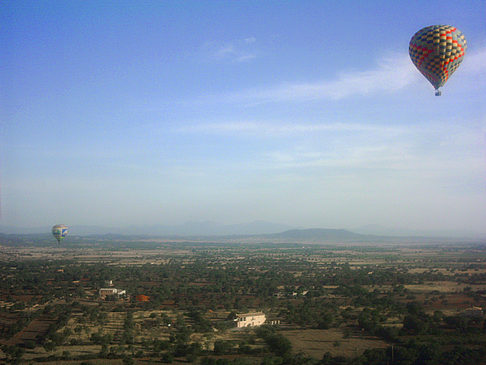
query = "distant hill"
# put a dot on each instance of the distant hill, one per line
(376, 229)
(211, 232)
(321, 235)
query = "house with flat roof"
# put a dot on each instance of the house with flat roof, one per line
(104, 292)
(251, 319)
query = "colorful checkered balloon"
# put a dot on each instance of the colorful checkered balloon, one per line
(437, 51)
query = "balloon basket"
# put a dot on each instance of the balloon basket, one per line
(438, 93)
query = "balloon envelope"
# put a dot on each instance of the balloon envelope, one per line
(59, 231)
(437, 51)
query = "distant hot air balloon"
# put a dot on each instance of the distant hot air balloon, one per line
(437, 51)
(59, 231)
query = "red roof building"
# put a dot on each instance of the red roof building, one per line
(142, 298)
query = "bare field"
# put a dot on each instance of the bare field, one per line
(94, 362)
(444, 287)
(39, 352)
(316, 343)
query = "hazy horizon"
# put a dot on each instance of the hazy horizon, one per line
(303, 114)
(211, 228)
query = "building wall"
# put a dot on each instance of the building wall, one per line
(250, 320)
(107, 291)
(104, 292)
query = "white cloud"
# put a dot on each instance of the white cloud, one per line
(474, 62)
(433, 149)
(437, 149)
(393, 73)
(241, 50)
(279, 128)
(224, 51)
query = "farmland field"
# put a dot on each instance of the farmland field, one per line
(326, 303)
(316, 342)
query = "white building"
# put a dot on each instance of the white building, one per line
(104, 292)
(250, 319)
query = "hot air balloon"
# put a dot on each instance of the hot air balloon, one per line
(437, 51)
(59, 231)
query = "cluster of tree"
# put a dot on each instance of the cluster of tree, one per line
(200, 324)
(53, 338)
(317, 313)
(276, 342)
(253, 275)
(13, 353)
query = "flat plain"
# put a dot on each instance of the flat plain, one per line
(341, 302)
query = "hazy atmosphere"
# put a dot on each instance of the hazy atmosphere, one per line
(303, 114)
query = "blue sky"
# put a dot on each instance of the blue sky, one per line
(304, 113)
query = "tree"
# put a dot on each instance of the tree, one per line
(167, 358)
(326, 321)
(104, 350)
(128, 360)
(13, 353)
(415, 324)
(221, 347)
(49, 346)
(279, 344)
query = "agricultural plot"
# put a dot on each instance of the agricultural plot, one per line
(316, 343)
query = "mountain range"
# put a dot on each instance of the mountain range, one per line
(257, 231)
